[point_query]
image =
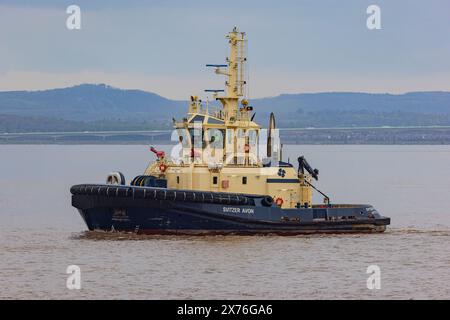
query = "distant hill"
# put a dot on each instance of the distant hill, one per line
(348, 109)
(87, 102)
(420, 102)
(102, 107)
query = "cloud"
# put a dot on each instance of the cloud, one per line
(293, 45)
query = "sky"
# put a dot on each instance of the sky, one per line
(163, 46)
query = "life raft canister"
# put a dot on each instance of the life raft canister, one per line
(279, 201)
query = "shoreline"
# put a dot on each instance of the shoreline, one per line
(292, 136)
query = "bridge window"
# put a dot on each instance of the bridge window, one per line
(253, 146)
(196, 134)
(216, 138)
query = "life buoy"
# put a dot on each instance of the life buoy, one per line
(279, 202)
(162, 167)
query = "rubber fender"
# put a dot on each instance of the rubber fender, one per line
(267, 201)
(148, 181)
(139, 181)
(115, 178)
(139, 193)
(123, 192)
(133, 182)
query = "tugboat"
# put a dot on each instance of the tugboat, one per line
(217, 180)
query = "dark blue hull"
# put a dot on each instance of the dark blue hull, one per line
(165, 211)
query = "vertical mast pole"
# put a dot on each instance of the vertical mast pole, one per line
(235, 73)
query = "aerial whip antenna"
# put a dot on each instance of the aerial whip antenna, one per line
(269, 136)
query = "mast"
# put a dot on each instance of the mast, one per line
(235, 85)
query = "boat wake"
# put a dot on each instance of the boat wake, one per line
(132, 236)
(412, 231)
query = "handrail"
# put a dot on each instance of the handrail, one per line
(326, 199)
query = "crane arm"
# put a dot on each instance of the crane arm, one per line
(304, 165)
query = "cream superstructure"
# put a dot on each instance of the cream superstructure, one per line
(218, 149)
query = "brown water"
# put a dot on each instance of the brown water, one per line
(41, 234)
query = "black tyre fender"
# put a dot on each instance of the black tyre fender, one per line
(267, 201)
(116, 178)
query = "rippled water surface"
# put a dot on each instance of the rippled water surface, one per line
(41, 234)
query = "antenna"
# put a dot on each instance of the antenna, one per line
(269, 136)
(217, 65)
(234, 70)
(214, 90)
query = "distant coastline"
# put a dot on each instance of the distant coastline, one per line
(91, 107)
(432, 135)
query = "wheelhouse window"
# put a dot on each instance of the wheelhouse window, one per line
(253, 146)
(230, 156)
(216, 138)
(240, 146)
